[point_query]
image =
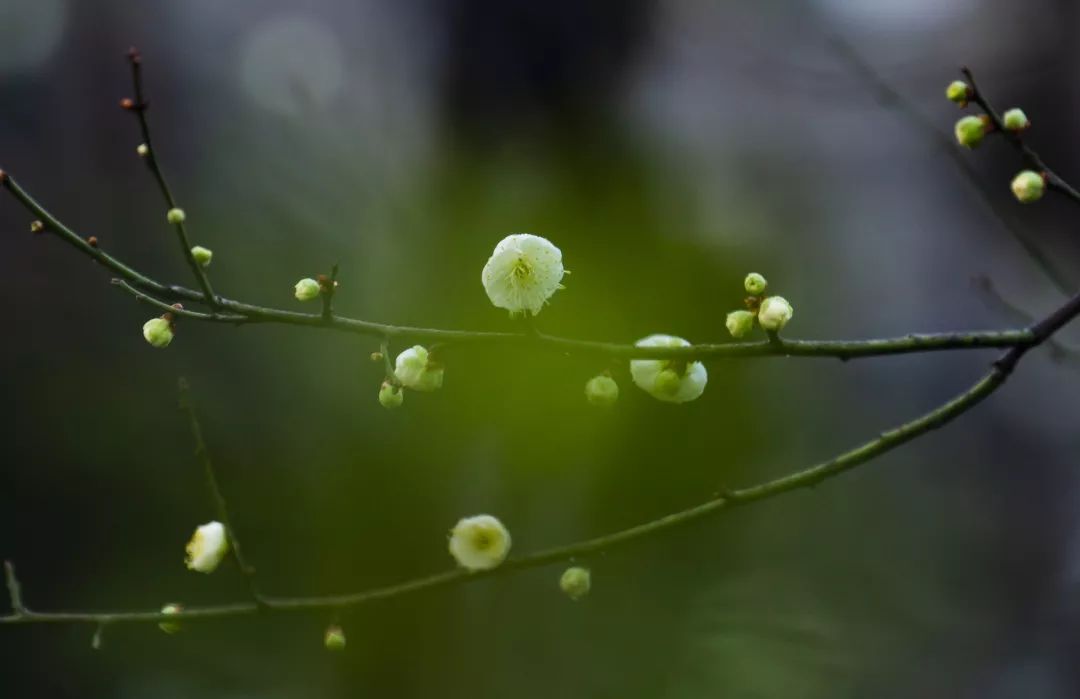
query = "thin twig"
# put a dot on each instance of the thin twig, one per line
(885, 442)
(891, 99)
(180, 311)
(221, 507)
(140, 107)
(994, 299)
(249, 313)
(18, 608)
(1033, 160)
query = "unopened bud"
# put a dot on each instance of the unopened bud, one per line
(970, 130)
(143, 150)
(158, 332)
(391, 396)
(36, 227)
(576, 582)
(602, 390)
(740, 323)
(171, 627)
(959, 92)
(1028, 186)
(127, 103)
(334, 638)
(202, 255)
(92, 241)
(307, 289)
(754, 283)
(775, 312)
(176, 216)
(1015, 120)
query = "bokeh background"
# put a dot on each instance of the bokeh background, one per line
(668, 148)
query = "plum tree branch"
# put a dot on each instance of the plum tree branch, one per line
(152, 291)
(146, 289)
(139, 107)
(888, 440)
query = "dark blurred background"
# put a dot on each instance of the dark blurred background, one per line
(668, 148)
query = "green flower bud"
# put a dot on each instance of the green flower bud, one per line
(575, 582)
(307, 289)
(970, 131)
(1015, 120)
(667, 382)
(176, 216)
(202, 255)
(754, 283)
(158, 332)
(334, 638)
(739, 323)
(391, 396)
(171, 627)
(1028, 186)
(958, 91)
(774, 313)
(143, 150)
(602, 390)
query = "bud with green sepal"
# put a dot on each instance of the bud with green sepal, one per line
(335, 638)
(1015, 120)
(755, 284)
(576, 582)
(171, 627)
(971, 130)
(176, 215)
(307, 290)
(158, 331)
(602, 390)
(202, 255)
(1029, 186)
(959, 92)
(740, 323)
(416, 369)
(391, 396)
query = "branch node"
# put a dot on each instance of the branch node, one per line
(14, 590)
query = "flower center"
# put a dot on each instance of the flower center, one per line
(521, 270)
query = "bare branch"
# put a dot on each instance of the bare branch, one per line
(220, 505)
(14, 590)
(139, 107)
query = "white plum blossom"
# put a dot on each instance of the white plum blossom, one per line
(415, 369)
(774, 313)
(479, 543)
(207, 547)
(522, 273)
(673, 381)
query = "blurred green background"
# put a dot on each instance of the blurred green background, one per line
(668, 148)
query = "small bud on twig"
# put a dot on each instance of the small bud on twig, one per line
(391, 396)
(1015, 120)
(92, 241)
(171, 627)
(576, 582)
(602, 391)
(1029, 186)
(970, 130)
(376, 356)
(959, 92)
(36, 227)
(175, 216)
(127, 103)
(143, 150)
(307, 289)
(334, 638)
(202, 255)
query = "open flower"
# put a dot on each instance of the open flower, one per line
(479, 543)
(415, 369)
(207, 547)
(673, 381)
(523, 273)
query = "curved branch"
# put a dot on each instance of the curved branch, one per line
(809, 477)
(135, 282)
